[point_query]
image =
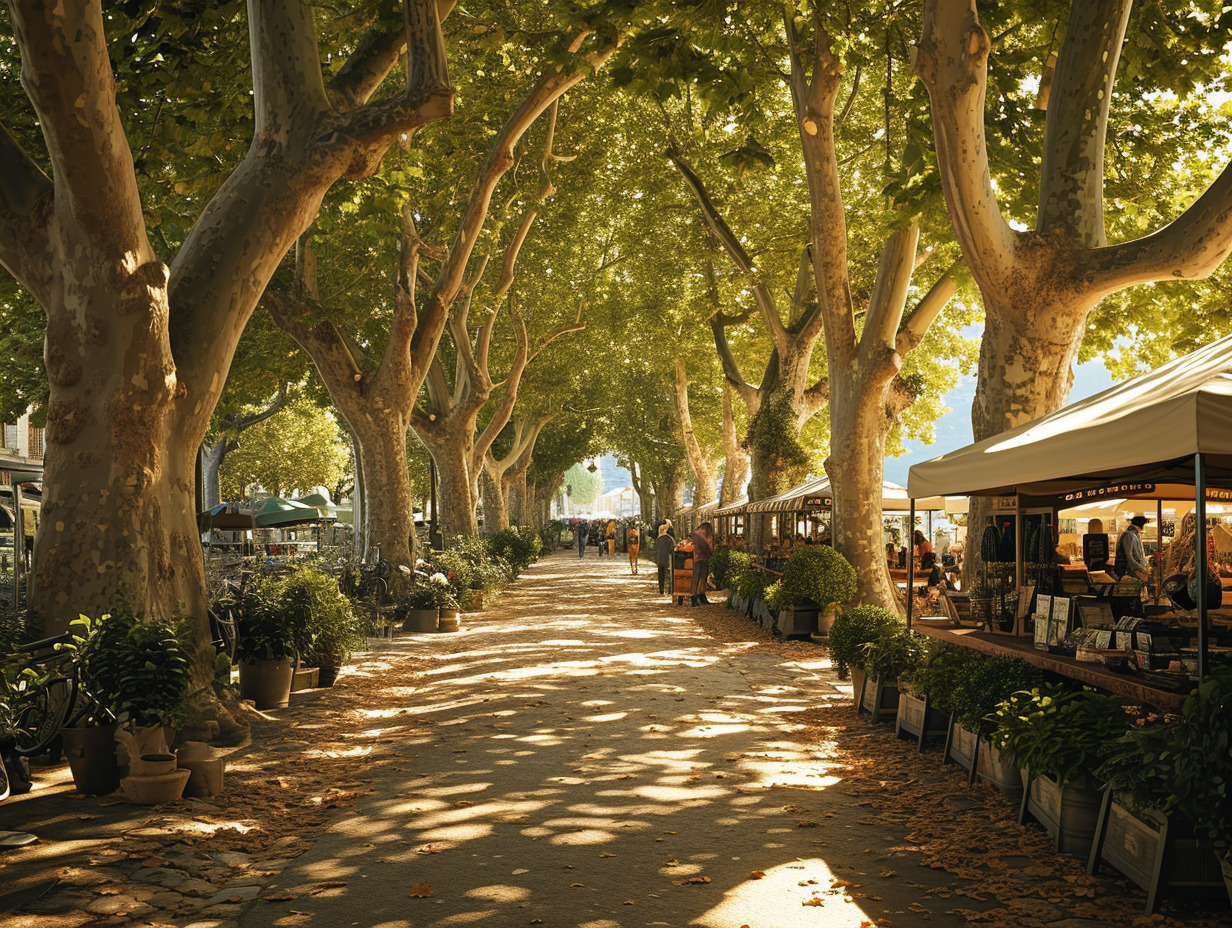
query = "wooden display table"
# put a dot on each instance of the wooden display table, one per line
(1004, 645)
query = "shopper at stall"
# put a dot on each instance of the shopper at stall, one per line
(1130, 558)
(663, 547)
(703, 547)
(922, 545)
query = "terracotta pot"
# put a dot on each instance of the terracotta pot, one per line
(267, 683)
(448, 622)
(155, 765)
(305, 678)
(148, 791)
(421, 620)
(92, 759)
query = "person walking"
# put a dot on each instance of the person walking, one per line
(703, 547)
(633, 541)
(663, 547)
(596, 534)
(580, 533)
(611, 537)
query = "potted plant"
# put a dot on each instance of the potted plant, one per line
(751, 586)
(923, 706)
(982, 684)
(446, 603)
(816, 580)
(1058, 737)
(333, 629)
(725, 563)
(852, 629)
(895, 652)
(269, 635)
(1166, 819)
(420, 607)
(139, 671)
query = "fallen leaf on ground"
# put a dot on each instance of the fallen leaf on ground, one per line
(816, 900)
(757, 874)
(807, 824)
(421, 890)
(326, 886)
(606, 854)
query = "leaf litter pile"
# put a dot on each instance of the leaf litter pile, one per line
(968, 831)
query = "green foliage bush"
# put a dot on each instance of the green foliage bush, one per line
(1183, 764)
(895, 653)
(267, 629)
(937, 679)
(551, 535)
(752, 583)
(725, 563)
(517, 546)
(331, 628)
(819, 575)
(985, 683)
(852, 630)
(1058, 731)
(138, 668)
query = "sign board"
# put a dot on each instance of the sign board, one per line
(818, 502)
(1111, 490)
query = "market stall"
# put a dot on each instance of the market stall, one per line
(1166, 435)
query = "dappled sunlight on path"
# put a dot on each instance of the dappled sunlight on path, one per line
(586, 754)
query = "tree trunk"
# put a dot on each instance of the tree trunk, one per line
(736, 469)
(211, 463)
(457, 492)
(495, 503)
(858, 427)
(388, 522)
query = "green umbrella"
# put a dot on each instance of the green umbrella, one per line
(275, 512)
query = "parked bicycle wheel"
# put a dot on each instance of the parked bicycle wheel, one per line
(41, 712)
(374, 590)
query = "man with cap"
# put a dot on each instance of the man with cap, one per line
(1130, 558)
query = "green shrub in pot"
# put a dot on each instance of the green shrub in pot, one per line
(854, 628)
(1184, 763)
(1058, 731)
(985, 683)
(938, 676)
(332, 630)
(140, 669)
(817, 575)
(894, 654)
(265, 630)
(752, 583)
(725, 564)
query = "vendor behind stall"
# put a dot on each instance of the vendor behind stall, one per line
(1130, 557)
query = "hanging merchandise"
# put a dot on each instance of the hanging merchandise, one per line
(1008, 555)
(990, 543)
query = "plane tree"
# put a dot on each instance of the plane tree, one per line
(141, 324)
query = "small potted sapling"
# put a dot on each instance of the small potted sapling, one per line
(1058, 735)
(268, 643)
(141, 670)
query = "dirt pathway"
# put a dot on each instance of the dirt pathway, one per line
(582, 754)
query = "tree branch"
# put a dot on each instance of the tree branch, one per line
(731, 370)
(1072, 171)
(952, 62)
(730, 244)
(916, 324)
(66, 73)
(1193, 245)
(26, 202)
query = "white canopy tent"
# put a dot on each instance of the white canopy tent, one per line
(1164, 435)
(1145, 430)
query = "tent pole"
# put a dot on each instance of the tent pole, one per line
(910, 570)
(1200, 559)
(1159, 549)
(21, 578)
